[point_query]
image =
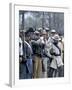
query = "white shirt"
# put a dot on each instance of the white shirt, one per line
(20, 47)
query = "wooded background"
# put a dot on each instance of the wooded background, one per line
(39, 19)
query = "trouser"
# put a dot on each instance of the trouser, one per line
(52, 72)
(25, 69)
(61, 71)
(44, 73)
(48, 66)
(29, 64)
(37, 67)
(22, 71)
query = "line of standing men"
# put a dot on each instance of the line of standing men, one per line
(40, 55)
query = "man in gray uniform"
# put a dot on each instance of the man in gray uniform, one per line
(57, 63)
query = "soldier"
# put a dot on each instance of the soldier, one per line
(20, 55)
(35, 51)
(20, 48)
(48, 46)
(28, 54)
(37, 48)
(57, 62)
(26, 63)
(44, 40)
(36, 35)
(51, 34)
(61, 45)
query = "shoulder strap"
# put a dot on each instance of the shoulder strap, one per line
(58, 49)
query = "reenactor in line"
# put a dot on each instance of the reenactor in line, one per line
(41, 54)
(37, 46)
(56, 63)
(26, 65)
